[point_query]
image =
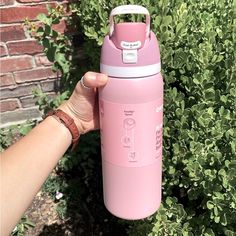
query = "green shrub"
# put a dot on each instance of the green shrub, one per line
(197, 42)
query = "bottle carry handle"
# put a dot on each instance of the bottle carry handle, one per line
(129, 9)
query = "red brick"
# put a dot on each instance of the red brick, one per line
(50, 85)
(15, 64)
(19, 13)
(6, 80)
(3, 51)
(29, 101)
(35, 74)
(28, 1)
(20, 115)
(17, 91)
(61, 27)
(13, 32)
(24, 47)
(42, 60)
(9, 105)
(6, 2)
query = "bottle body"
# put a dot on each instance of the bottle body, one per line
(131, 113)
(131, 117)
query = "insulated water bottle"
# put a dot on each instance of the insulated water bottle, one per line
(131, 117)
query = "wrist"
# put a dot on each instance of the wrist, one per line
(69, 111)
(66, 120)
(56, 124)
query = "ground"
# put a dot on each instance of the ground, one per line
(43, 214)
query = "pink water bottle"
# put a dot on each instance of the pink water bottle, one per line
(131, 117)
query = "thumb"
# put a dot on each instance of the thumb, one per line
(94, 80)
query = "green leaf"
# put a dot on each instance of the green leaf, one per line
(40, 31)
(223, 219)
(56, 21)
(210, 205)
(169, 201)
(48, 30)
(217, 219)
(229, 232)
(42, 17)
(54, 34)
(51, 53)
(166, 20)
(46, 43)
(196, 81)
(25, 129)
(216, 212)
(209, 232)
(179, 27)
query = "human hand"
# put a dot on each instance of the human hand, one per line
(82, 106)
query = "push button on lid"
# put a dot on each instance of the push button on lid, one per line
(130, 56)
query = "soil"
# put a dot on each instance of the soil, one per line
(43, 214)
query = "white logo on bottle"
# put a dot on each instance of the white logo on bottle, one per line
(160, 108)
(130, 45)
(158, 143)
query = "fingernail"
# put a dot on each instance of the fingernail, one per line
(99, 76)
(92, 76)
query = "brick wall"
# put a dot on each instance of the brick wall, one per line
(24, 67)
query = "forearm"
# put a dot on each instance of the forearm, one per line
(26, 165)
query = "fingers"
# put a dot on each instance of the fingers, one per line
(94, 80)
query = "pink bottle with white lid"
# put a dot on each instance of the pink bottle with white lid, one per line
(131, 117)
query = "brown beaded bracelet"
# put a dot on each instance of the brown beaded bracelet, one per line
(68, 122)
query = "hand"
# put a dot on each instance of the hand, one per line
(82, 106)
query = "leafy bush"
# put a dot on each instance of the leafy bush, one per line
(11, 134)
(197, 41)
